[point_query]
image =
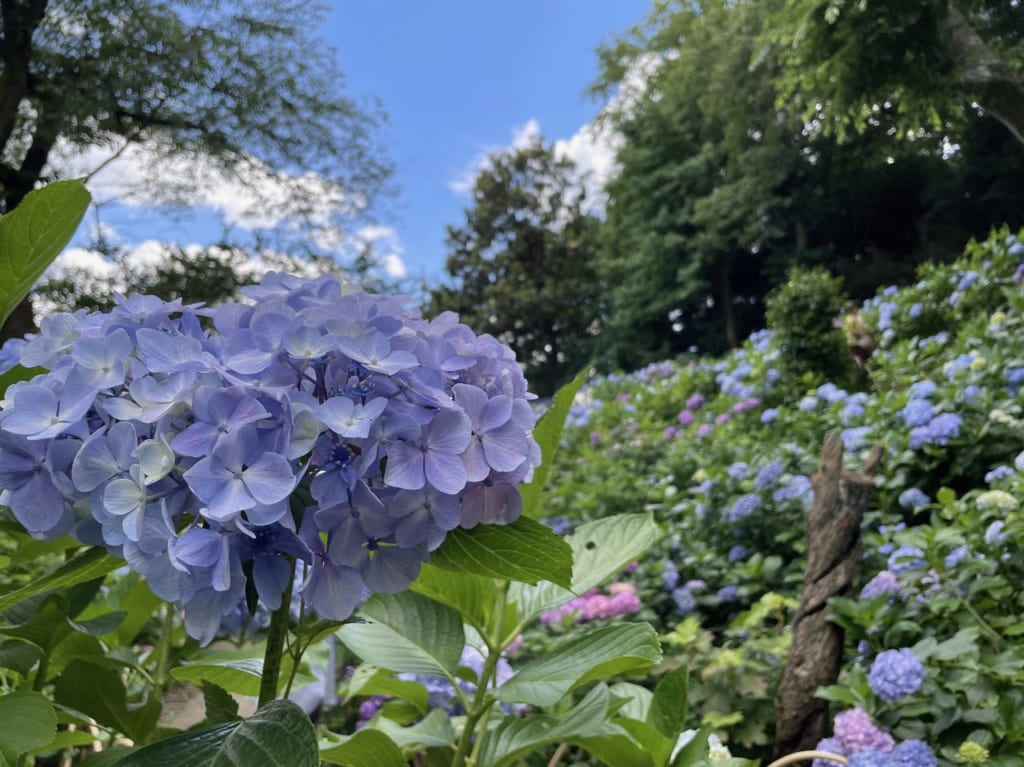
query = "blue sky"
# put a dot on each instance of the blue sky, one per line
(457, 78)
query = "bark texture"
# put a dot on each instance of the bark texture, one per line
(833, 553)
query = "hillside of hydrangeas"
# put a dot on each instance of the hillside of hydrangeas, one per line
(723, 452)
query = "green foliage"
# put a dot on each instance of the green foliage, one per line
(523, 551)
(803, 313)
(911, 64)
(29, 724)
(548, 434)
(724, 182)
(278, 735)
(522, 266)
(32, 236)
(85, 566)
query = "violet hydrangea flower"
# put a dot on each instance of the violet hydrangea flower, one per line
(180, 437)
(896, 674)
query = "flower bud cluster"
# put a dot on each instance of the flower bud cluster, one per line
(210, 447)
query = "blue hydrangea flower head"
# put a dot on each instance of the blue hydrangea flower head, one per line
(913, 753)
(869, 757)
(917, 412)
(913, 498)
(831, 745)
(884, 582)
(176, 436)
(906, 558)
(742, 507)
(896, 674)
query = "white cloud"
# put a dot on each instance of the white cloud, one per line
(387, 247)
(257, 199)
(592, 148)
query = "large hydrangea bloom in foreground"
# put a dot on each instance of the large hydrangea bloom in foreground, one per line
(207, 447)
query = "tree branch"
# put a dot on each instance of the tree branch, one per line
(1000, 92)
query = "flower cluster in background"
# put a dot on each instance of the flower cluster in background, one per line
(335, 428)
(864, 744)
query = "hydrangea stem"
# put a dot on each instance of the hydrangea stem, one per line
(482, 705)
(274, 652)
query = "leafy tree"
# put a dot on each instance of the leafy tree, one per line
(911, 63)
(522, 265)
(720, 189)
(707, 165)
(243, 88)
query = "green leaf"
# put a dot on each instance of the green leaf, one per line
(548, 434)
(407, 632)
(600, 549)
(47, 626)
(367, 748)
(239, 676)
(67, 739)
(523, 551)
(99, 692)
(597, 654)
(33, 234)
(19, 655)
(101, 624)
(18, 373)
(517, 737)
(471, 595)
(220, 706)
(90, 564)
(278, 735)
(433, 731)
(695, 750)
(668, 707)
(635, 700)
(28, 723)
(368, 680)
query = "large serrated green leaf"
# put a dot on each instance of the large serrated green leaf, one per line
(407, 632)
(514, 738)
(548, 434)
(524, 551)
(598, 654)
(278, 735)
(90, 564)
(33, 234)
(366, 748)
(600, 549)
(471, 595)
(28, 723)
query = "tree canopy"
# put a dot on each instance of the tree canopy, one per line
(247, 89)
(917, 64)
(721, 186)
(523, 264)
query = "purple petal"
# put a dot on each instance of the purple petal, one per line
(445, 472)
(405, 466)
(270, 479)
(449, 432)
(506, 447)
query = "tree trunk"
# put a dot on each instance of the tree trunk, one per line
(999, 90)
(20, 20)
(833, 553)
(724, 280)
